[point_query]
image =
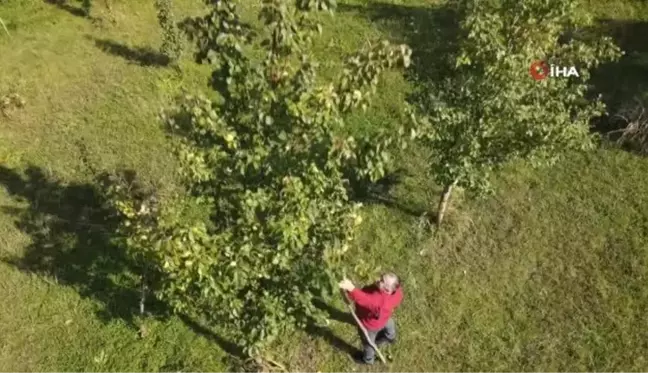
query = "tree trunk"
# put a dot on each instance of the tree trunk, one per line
(443, 203)
(142, 295)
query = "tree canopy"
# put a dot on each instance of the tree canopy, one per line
(487, 109)
(267, 161)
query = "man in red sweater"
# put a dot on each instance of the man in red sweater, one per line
(374, 307)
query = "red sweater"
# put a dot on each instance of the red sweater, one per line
(374, 307)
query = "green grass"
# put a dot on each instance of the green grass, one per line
(547, 274)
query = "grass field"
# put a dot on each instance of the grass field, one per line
(547, 274)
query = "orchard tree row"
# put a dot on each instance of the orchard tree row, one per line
(267, 162)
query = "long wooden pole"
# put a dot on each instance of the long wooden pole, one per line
(4, 27)
(362, 328)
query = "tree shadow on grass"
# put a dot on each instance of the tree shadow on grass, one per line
(431, 32)
(71, 230)
(331, 338)
(236, 355)
(238, 359)
(144, 56)
(334, 313)
(379, 192)
(624, 82)
(63, 5)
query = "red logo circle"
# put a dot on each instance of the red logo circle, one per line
(539, 70)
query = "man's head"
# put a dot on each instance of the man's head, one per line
(389, 282)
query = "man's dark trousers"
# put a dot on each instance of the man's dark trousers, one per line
(379, 337)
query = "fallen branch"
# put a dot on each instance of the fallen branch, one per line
(264, 364)
(276, 364)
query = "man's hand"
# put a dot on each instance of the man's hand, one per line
(346, 284)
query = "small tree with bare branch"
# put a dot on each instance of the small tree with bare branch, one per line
(171, 38)
(634, 133)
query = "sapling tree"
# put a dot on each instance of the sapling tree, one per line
(171, 38)
(265, 161)
(489, 110)
(137, 206)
